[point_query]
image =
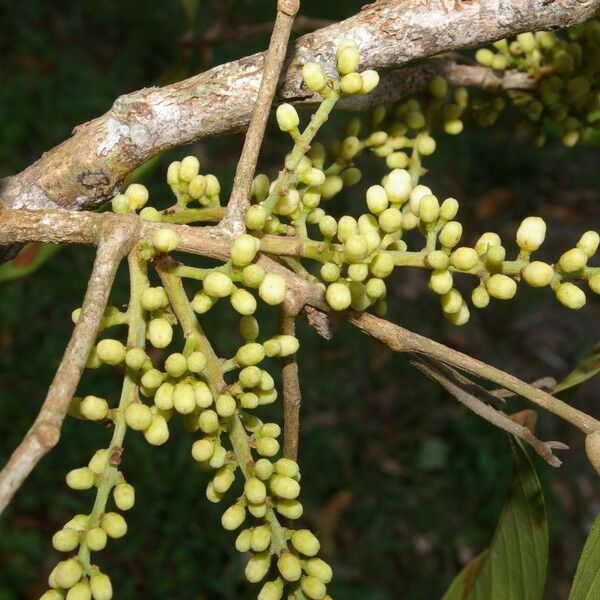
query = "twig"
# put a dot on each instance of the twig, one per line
(242, 183)
(292, 397)
(464, 391)
(45, 431)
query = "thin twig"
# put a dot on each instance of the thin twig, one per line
(292, 397)
(45, 431)
(242, 183)
(464, 390)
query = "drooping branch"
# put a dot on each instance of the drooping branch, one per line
(45, 431)
(87, 169)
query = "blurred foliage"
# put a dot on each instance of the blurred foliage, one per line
(403, 484)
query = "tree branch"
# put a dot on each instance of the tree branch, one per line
(45, 431)
(239, 200)
(88, 168)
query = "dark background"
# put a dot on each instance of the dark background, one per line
(404, 485)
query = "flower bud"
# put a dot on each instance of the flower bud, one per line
(165, 240)
(158, 431)
(572, 260)
(313, 77)
(99, 461)
(531, 233)
(101, 587)
(348, 58)
(429, 208)
(114, 525)
(250, 354)
(261, 538)
(284, 487)
(589, 242)
(138, 416)
(450, 234)
(272, 289)
(124, 496)
(121, 204)
(289, 566)
(438, 87)
(319, 568)
(217, 285)
(163, 398)
(332, 185)
(202, 394)
(197, 187)
(225, 405)
(381, 265)
(370, 81)
(290, 509)
(66, 540)
(267, 446)
(258, 567)
(464, 258)
(570, 295)
(196, 362)
(438, 260)
(94, 408)
(150, 214)
(398, 186)
(448, 209)
(287, 467)
(352, 83)
(135, 358)
(202, 450)
(189, 168)
(440, 281)
(96, 539)
(390, 220)
(208, 421)
(426, 145)
(202, 303)
(313, 587)
(305, 542)
(452, 301)
(338, 296)
(80, 479)
(538, 274)
(416, 195)
(233, 517)
(68, 573)
(176, 364)
(287, 117)
(111, 352)
(184, 398)
(501, 286)
(137, 195)
(160, 332)
(255, 490)
(289, 345)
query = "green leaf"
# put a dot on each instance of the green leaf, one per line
(31, 258)
(514, 566)
(587, 367)
(586, 585)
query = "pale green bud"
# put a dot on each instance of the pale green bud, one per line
(225, 405)
(390, 220)
(287, 467)
(448, 209)
(202, 303)
(355, 248)
(441, 281)
(589, 243)
(358, 271)
(244, 249)
(272, 289)
(312, 196)
(284, 487)
(531, 233)
(398, 186)
(96, 539)
(348, 58)
(137, 195)
(261, 537)
(313, 587)
(101, 587)
(429, 208)
(124, 496)
(121, 204)
(313, 77)
(243, 302)
(289, 566)
(460, 317)
(450, 234)
(135, 358)
(572, 260)
(330, 272)
(263, 468)
(570, 295)
(255, 490)
(223, 479)
(138, 416)
(250, 377)
(352, 83)
(375, 288)
(78, 522)
(66, 540)
(233, 517)
(176, 364)
(488, 240)
(184, 398)
(256, 217)
(452, 301)
(56, 595)
(318, 568)
(328, 226)
(253, 276)
(370, 81)
(173, 173)
(538, 274)
(208, 421)
(257, 567)
(217, 285)
(202, 450)
(290, 509)
(415, 197)
(165, 240)
(267, 446)
(243, 540)
(338, 296)
(189, 168)
(94, 408)
(501, 286)
(250, 354)
(347, 226)
(196, 362)
(197, 187)
(438, 260)
(158, 431)
(426, 145)
(212, 495)
(397, 160)
(305, 542)
(213, 187)
(99, 461)
(152, 379)
(594, 283)
(111, 352)
(480, 297)
(381, 265)
(164, 396)
(68, 573)
(80, 479)
(114, 525)
(159, 332)
(464, 258)
(287, 117)
(331, 186)
(202, 394)
(438, 87)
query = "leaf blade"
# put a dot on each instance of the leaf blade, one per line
(587, 576)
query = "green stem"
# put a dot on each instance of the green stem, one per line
(193, 215)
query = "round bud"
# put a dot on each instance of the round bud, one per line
(429, 208)
(486, 241)
(355, 248)
(80, 479)
(450, 234)
(594, 283)
(452, 301)
(99, 461)
(253, 276)
(184, 398)
(121, 204)
(138, 416)
(249, 328)
(480, 297)
(338, 296)
(330, 272)
(124, 496)
(66, 540)
(352, 83)
(350, 147)
(137, 195)
(111, 352)
(202, 303)
(202, 450)
(290, 509)
(150, 214)
(348, 58)
(257, 567)
(416, 195)
(250, 354)
(250, 377)
(438, 87)
(287, 117)
(370, 80)
(313, 587)
(318, 568)
(189, 168)
(285, 487)
(538, 274)
(272, 289)
(570, 295)
(114, 525)
(572, 260)
(212, 495)
(438, 260)
(305, 542)
(213, 187)
(165, 240)
(197, 187)
(96, 539)
(531, 233)
(256, 217)
(464, 258)
(448, 209)
(233, 517)
(267, 446)
(263, 468)
(225, 405)
(202, 394)
(243, 250)
(398, 186)
(223, 479)
(158, 431)
(135, 358)
(94, 408)
(313, 77)
(159, 333)
(152, 379)
(328, 226)
(261, 538)
(208, 421)
(255, 490)
(390, 220)
(426, 145)
(196, 362)
(441, 281)
(101, 587)
(78, 522)
(332, 185)
(176, 364)
(217, 285)
(289, 345)
(501, 286)
(589, 243)
(243, 302)
(289, 566)
(68, 573)
(243, 540)
(381, 265)
(163, 398)
(80, 591)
